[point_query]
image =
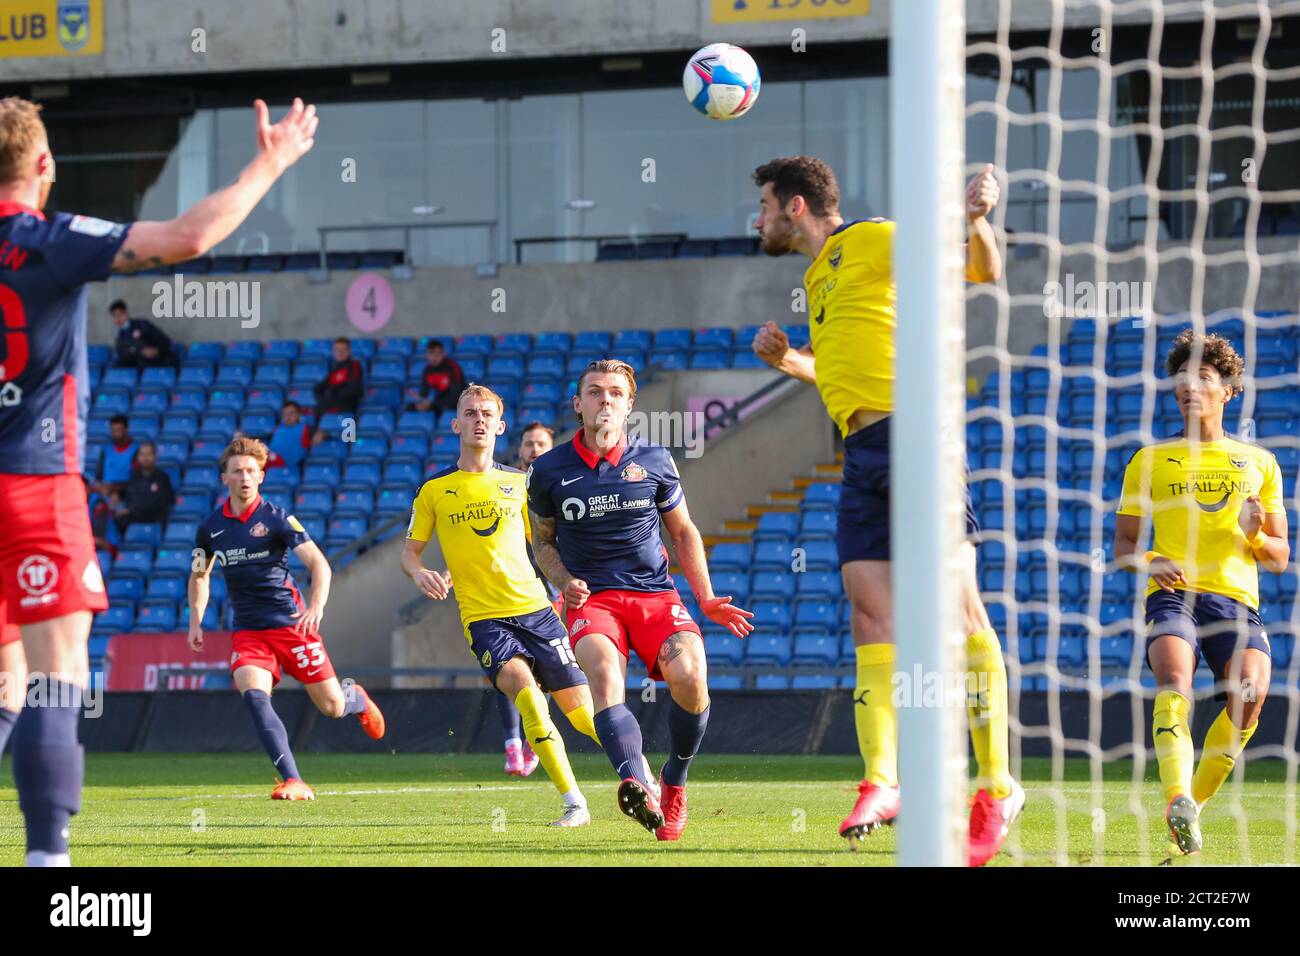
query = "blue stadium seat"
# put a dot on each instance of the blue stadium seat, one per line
(817, 649)
(631, 339)
(770, 613)
(180, 533)
(149, 400)
(730, 555)
(733, 583)
(726, 650)
(670, 339)
(165, 587)
(156, 616)
(772, 554)
(820, 555)
(135, 562)
(118, 617)
(509, 367)
(345, 530)
(319, 501)
(388, 370)
(125, 588)
(819, 613)
(520, 343)
(816, 523)
(717, 337)
(774, 584)
(404, 471)
(473, 345)
(113, 402)
(359, 502)
(594, 341)
(822, 495)
(308, 370)
(777, 524)
(554, 342)
(257, 424)
(710, 359)
(767, 647)
(821, 584)
(144, 533)
(671, 360)
(541, 367)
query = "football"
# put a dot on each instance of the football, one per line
(721, 81)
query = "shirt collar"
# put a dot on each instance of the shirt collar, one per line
(248, 512)
(10, 208)
(613, 456)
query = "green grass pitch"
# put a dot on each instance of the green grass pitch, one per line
(411, 809)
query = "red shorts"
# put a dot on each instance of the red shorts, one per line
(302, 658)
(48, 567)
(641, 620)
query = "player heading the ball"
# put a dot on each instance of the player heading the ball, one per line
(851, 320)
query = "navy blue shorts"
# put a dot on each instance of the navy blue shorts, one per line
(862, 530)
(539, 638)
(1213, 624)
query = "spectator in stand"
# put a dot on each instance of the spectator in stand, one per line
(290, 440)
(341, 388)
(441, 382)
(140, 343)
(101, 513)
(118, 456)
(149, 496)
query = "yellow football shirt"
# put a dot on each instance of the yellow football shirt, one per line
(481, 519)
(851, 319)
(1194, 494)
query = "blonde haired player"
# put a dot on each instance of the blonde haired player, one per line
(850, 287)
(1216, 507)
(275, 631)
(478, 509)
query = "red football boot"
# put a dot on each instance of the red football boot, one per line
(292, 789)
(990, 820)
(673, 805)
(876, 807)
(372, 719)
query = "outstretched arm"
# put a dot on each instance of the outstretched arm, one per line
(213, 218)
(688, 545)
(983, 260)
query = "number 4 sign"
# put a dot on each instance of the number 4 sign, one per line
(370, 302)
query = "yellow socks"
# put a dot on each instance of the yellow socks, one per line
(545, 740)
(1172, 734)
(873, 713)
(987, 712)
(583, 721)
(1224, 742)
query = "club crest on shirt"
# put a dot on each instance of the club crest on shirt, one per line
(1239, 461)
(507, 490)
(634, 472)
(259, 530)
(836, 257)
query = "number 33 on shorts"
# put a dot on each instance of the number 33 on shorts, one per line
(309, 655)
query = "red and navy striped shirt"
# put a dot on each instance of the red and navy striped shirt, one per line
(44, 382)
(253, 551)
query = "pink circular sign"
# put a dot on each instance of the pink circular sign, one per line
(370, 302)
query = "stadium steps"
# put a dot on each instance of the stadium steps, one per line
(756, 511)
(736, 524)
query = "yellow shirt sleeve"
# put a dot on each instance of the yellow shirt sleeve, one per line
(422, 518)
(1270, 494)
(1135, 498)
